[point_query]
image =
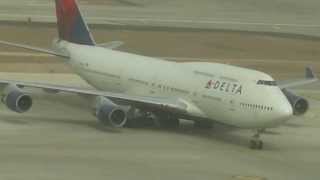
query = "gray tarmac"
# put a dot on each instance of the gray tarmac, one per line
(285, 16)
(60, 139)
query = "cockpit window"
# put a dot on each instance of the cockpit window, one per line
(267, 83)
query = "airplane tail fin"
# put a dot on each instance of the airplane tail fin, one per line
(71, 25)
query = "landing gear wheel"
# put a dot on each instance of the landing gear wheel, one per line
(256, 144)
(252, 144)
(141, 122)
(168, 122)
(140, 119)
(260, 145)
(203, 124)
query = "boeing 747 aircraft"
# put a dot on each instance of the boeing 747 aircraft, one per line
(131, 87)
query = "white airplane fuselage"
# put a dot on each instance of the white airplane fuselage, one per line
(223, 93)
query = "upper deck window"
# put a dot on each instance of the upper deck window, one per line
(267, 83)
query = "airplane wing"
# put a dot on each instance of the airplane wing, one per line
(177, 106)
(45, 51)
(310, 78)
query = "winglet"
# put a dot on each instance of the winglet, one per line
(310, 74)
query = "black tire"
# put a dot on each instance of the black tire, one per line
(203, 124)
(256, 144)
(142, 122)
(169, 122)
(260, 145)
(253, 144)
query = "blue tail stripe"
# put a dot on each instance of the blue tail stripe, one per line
(80, 33)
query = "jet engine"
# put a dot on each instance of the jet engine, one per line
(16, 100)
(109, 113)
(299, 105)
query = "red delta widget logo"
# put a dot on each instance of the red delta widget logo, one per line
(224, 86)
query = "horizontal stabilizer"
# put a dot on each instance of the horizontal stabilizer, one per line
(112, 44)
(41, 50)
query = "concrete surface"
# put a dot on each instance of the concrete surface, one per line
(286, 16)
(59, 139)
(265, 52)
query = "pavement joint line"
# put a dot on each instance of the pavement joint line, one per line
(167, 20)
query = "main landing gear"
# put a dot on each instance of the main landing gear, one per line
(142, 119)
(167, 122)
(203, 124)
(255, 142)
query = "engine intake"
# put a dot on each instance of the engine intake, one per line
(299, 104)
(110, 114)
(17, 101)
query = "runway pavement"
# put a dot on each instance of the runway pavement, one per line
(285, 16)
(265, 52)
(59, 139)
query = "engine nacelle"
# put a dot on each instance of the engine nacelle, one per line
(299, 105)
(109, 113)
(16, 100)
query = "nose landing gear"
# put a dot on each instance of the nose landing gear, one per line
(255, 142)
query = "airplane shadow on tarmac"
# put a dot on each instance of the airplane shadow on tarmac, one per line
(29, 120)
(226, 135)
(219, 133)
